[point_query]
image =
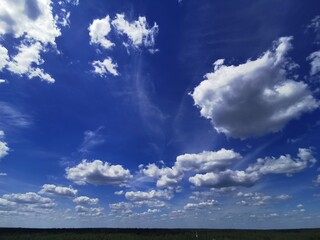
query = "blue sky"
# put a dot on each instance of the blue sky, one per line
(159, 113)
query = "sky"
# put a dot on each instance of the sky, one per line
(160, 114)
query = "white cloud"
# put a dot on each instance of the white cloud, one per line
(35, 28)
(84, 200)
(138, 31)
(153, 194)
(226, 178)
(285, 164)
(121, 192)
(315, 27)
(29, 201)
(53, 190)
(167, 177)
(207, 160)
(104, 67)
(4, 149)
(314, 59)
(200, 162)
(254, 98)
(202, 205)
(98, 173)
(29, 54)
(30, 18)
(99, 30)
(283, 197)
(89, 212)
(3, 174)
(4, 58)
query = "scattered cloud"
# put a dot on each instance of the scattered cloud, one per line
(285, 164)
(201, 205)
(53, 190)
(84, 200)
(153, 194)
(138, 32)
(99, 30)
(105, 67)
(314, 26)
(264, 85)
(314, 59)
(25, 203)
(98, 173)
(89, 212)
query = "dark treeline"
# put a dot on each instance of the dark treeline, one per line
(163, 234)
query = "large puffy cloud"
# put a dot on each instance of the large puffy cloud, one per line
(53, 190)
(285, 164)
(35, 27)
(98, 173)
(226, 178)
(153, 194)
(138, 31)
(98, 31)
(84, 200)
(105, 67)
(314, 59)
(254, 98)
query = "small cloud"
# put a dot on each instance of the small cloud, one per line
(91, 140)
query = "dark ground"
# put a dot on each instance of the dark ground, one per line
(156, 234)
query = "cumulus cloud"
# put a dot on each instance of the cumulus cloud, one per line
(99, 30)
(285, 164)
(89, 212)
(226, 178)
(53, 190)
(200, 162)
(105, 67)
(254, 98)
(138, 32)
(29, 201)
(84, 200)
(98, 173)
(207, 160)
(314, 59)
(167, 177)
(153, 194)
(35, 27)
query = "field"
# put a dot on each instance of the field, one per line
(156, 234)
